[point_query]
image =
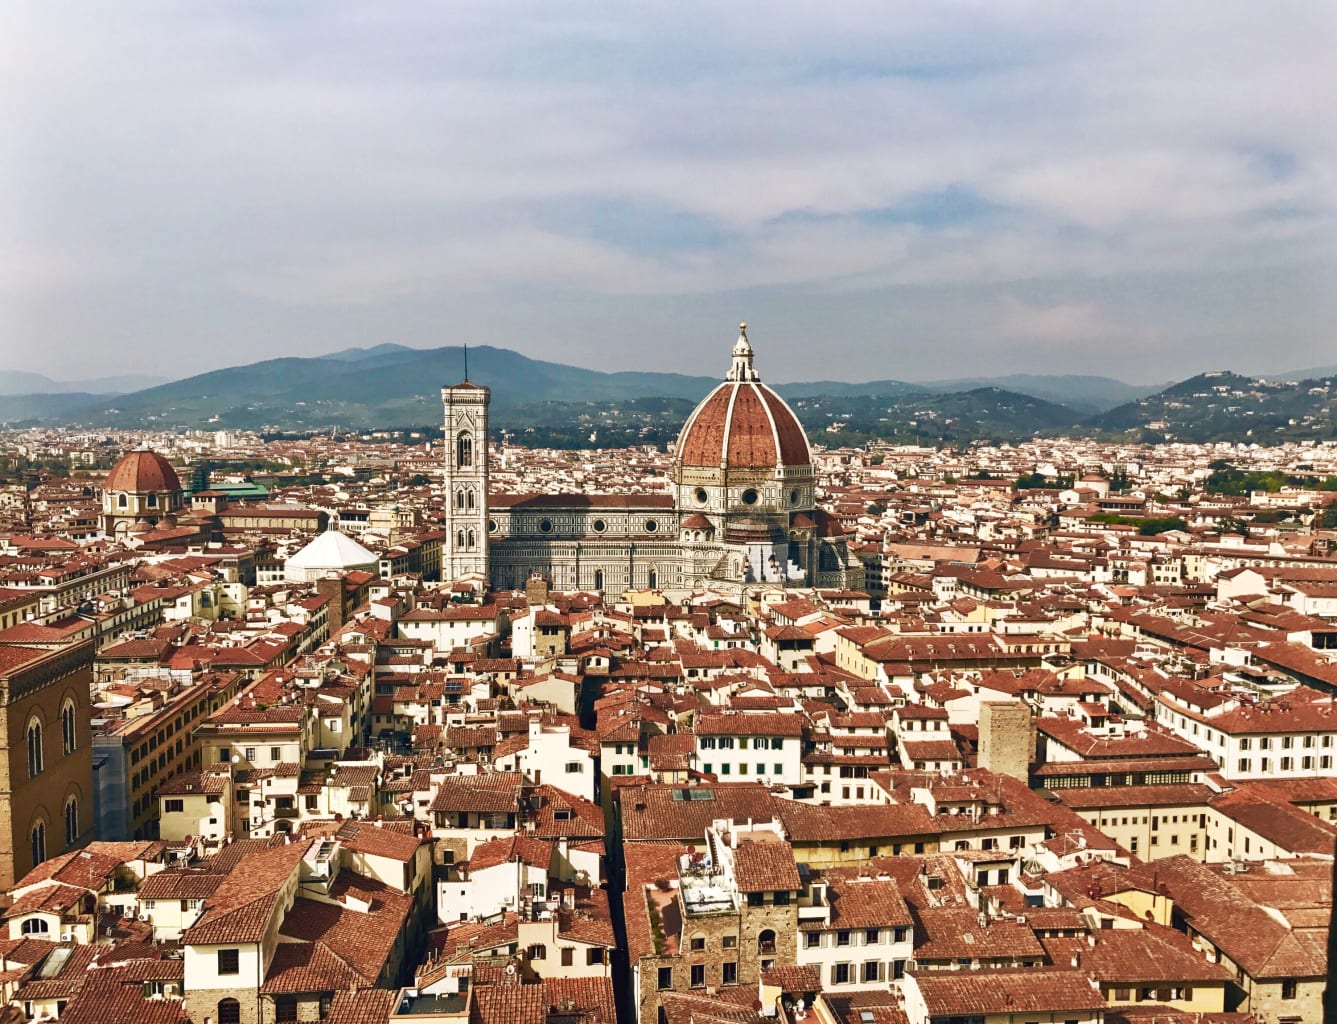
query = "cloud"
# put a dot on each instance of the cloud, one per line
(1049, 325)
(266, 170)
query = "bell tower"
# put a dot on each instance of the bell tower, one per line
(464, 551)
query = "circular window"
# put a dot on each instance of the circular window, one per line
(750, 496)
(545, 526)
(598, 526)
(701, 495)
(793, 496)
(651, 526)
(491, 526)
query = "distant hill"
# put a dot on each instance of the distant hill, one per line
(29, 409)
(389, 385)
(549, 403)
(852, 389)
(17, 382)
(354, 355)
(1225, 406)
(1087, 394)
(922, 418)
(1312, 373)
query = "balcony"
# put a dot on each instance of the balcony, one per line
(285, 812)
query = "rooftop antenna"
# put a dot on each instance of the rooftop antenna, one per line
(466, 362)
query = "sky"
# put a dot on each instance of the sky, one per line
(907, 190)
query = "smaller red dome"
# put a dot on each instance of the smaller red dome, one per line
(141, 472)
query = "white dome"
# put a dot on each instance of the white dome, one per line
(331, 552)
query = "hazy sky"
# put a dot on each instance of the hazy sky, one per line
(907, 190)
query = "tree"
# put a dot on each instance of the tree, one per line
(1152, 527)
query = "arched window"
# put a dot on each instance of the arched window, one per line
(38, 839)
(122, 501)
(69, 736)
(229, 1011)
(469, 498)
(34, 926)
(473, 540)
(464, 450)
(35, 761)
(598, 579)
(71, 821)
(653, 582)
(459, 540)
(153, 501)
(459, 498)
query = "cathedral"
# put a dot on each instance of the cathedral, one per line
(742, 512)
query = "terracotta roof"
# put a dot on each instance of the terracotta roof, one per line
(365, 1006)
(140, 472)
(1137, 956)
(490, 793)
(866, 903)
(970, 993)
(955, 934)
(243, 904)
(743, 424)
(763, 866)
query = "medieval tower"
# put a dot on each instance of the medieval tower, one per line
(464, 552)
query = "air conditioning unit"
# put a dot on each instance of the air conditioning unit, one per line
(67, 936)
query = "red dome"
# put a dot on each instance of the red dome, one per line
(141, 472)
(743, 425)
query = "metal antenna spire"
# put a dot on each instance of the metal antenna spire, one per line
(466, 362)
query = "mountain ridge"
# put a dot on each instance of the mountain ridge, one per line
(389, 385)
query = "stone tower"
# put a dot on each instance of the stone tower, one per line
(1007, 738)
(464, 552)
